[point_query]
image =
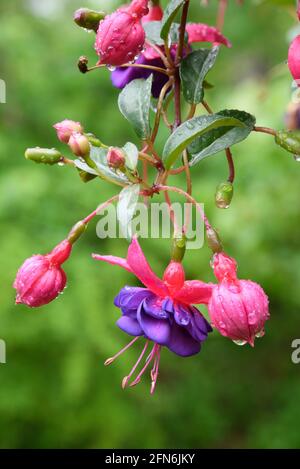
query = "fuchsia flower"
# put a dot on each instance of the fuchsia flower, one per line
(237, 308)
(120, 36)
(197, 32)
(294, 58)
(66, 128)
(40, 278)
(162, 312)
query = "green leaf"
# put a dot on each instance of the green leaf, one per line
(101, 169)
(216, 140)
(126, 207)
(194, 68)
(153, 29)
(169, 15)
(134, 103)
(190, 130)
(131, 155)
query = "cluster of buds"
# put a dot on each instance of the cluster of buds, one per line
(71, 132)
(294, 54)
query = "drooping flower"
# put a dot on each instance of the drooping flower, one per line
(66, 128)
(196, 33)
(120, 36)
(238, 308)
(162, 313)
(294, 59)
(40, 278)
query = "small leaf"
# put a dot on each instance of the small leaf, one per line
(190, 130)
(193, 70)
(98, 156)
(218, 139)
(126, 207)
(134, 103)
(169, 15)
(131, 155)
(152, 30)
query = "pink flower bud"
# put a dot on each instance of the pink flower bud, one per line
(174, 276)
(120, 36)
(79, 144)
(40, 278)
(294, 59)
(65, 129)
(237, 308)
(115, 157)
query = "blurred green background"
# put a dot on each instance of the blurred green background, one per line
(54, 390)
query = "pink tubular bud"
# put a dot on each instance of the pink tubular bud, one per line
(174, 276)
(294, 59)
(115, 157)
(239, 311)
(40, 279)
(65, 129)
(237, 308)
(120, 36)
(79, 144)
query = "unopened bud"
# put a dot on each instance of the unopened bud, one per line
(289, 140)
(79, 145)
(224, 194)
(77, 231)
(178, 247)
(213, 240)
(115, 158)
(83, 64)
(88, 19)
(65, 128)
(43, 155)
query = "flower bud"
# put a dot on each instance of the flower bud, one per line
(174, 276)
(115, 157)
(88, 19)
(224, 194)
(65, 129)
(293, 58)
(82, 64)
(238, 308)
(120, 36)
(79, 144)
(43, 155)
(213, 240)
(289, 140)
(155, 14)
(40, 279)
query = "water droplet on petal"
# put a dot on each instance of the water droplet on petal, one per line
(240, 342)
(111, 68)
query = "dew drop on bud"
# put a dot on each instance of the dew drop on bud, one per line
(240, 342)
(111, 68)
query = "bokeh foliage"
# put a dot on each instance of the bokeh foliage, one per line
(54, 389)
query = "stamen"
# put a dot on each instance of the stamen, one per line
(155, 370)
(112, 359)
(126, 379)
(148, 361)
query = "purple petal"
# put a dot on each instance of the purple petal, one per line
(182, 343)
(157, 330)
(182, 315)
(153, 307)
(124, 75)
(168, 305)
(199, 327)
(130, 298)
(130, 326)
